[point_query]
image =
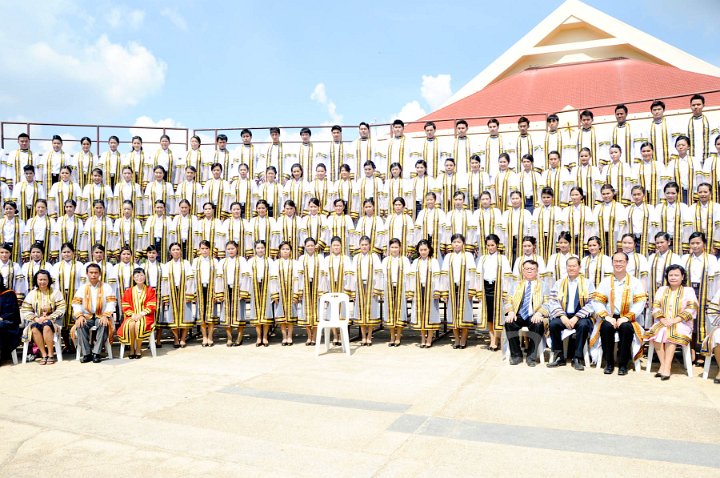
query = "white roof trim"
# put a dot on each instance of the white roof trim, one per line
(573, 11)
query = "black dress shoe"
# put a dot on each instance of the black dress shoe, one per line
(622, 371)
(665, 377)
(515, 360)
(609, 369)
(658, 375)
(558, 362)
(577, 365)
(455, 346)
(717, 381)
(86, 358)
(96, 358)
(531, 361)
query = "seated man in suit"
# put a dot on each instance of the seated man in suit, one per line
(618, 301)
(569, 307)
(523, 308)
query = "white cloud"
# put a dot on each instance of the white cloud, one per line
(121, 17)
(410, 112)
(175, 18)
(153, 135)
(319, 95)
(435, 90)
(65, 65)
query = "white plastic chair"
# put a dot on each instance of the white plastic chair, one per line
(330, 319)
(151, 344)
(13, 355)
(565, 335)
(706, 368)
(638, 367)
(56, 343)
(523, 331)
(108, 346)
(687, 358)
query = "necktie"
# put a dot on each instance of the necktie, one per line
(526, 302)
(574, 300)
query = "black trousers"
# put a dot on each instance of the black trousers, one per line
(607, 337)
(512, 330)
(10, 334)
(583, 328)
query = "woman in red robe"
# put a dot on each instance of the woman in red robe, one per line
(138, 307)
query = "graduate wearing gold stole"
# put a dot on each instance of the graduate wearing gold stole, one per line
(338, 224)
(68, 275)
(361, 150)
(595, 266)
(110, 161)
(341, 189)
(554, 142)
(428, 149)
(210, 229)
(192, 158)
(284, 278)
(618, 302)
(418, 187)
(309, 285)
(559, 179)
(249, 156)
(423, 290)
(586, 136)
(12, 229)
(489, 221)
(396, 268)
(394, 187)
(587, 177)
(232, 309)
(286, 229)
(60, 192)
(504, 182)
(366, 289)
(191, 191)
(611, 219)
(698, 129)
(400, 227)
(639, 221)
(459, 220)
(160, 231)
(658, 264)
(669, 216)
(177, 293)
(650, 174)
(257, 283)
(494, 147)
(516, 224)
(458, 289)
(210, 291)
(244, 190)
(294, 189)
(580, 221)
(25, 194)
(38, 231)
(685, 170)
(546, 222)
(702, 272)
(428, 225)
(494, 279)
(372, 226)
(128, 231)
(621, 176)
(704, 216)
(219, 192)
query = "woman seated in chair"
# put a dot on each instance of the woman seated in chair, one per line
(138, 307)
(9, 321)
(43, 311)
(673, 311)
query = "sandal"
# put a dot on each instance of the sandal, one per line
(51, 360)
(42, 361)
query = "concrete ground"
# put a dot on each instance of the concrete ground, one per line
(280, 411)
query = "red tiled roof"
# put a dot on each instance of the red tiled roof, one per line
(580, 85)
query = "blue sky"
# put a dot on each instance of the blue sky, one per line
(259, 63)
